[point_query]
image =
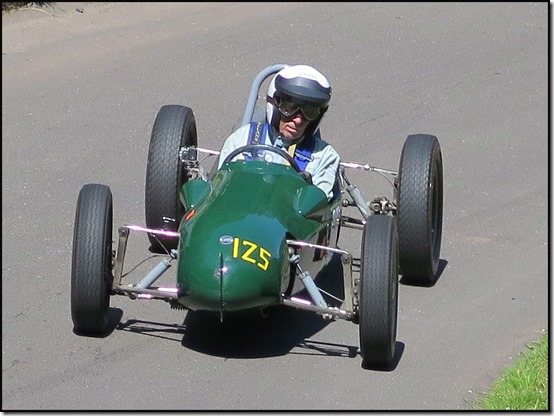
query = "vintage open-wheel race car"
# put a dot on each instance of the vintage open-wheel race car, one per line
(254, 234)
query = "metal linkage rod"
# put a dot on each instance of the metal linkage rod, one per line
(368, 167)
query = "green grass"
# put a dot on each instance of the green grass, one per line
(524, 386)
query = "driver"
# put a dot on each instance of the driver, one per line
(297, 98)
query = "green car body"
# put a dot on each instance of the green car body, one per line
(233, 251)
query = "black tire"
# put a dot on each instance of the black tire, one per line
(420, 208)
(174, 127)
(91, 265)
(378, 291)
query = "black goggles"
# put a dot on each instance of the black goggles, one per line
(289, 109)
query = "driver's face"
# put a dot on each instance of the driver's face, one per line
(293, 128)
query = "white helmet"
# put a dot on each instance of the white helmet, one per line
(302, 85)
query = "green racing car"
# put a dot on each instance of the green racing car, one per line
(254, 234)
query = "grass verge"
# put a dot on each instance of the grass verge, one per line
(524, 386)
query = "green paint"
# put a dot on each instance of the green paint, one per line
(245, 214)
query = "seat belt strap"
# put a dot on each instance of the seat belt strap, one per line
(257, 132)
(304, 155)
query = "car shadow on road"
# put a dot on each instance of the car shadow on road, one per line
(280, 331)
(440, 270)
(398, 352)
(114, 317)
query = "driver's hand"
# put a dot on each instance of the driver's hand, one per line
(307, 177)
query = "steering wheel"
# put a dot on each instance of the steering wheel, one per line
(253, 150)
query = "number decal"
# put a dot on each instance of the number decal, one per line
(251, 253)
(264, 255)
(246, 255)
(236, 242)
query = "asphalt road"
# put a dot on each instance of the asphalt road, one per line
(82, 84)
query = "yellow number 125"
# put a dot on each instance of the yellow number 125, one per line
(251, 252)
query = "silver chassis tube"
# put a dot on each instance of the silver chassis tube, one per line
(255, 88)
(348, 312)
(153, 293)
(352, 223)
(354, 192)
(170, 293)
(335, 312)
(135, 291)
(368, 167)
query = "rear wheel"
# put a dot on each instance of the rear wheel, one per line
(91, 267)
(378, 292)
(420, 204)
(174, 127)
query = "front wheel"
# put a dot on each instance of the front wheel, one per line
(420, 203)
(378, 293)
(91, 266)
(174, 128)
